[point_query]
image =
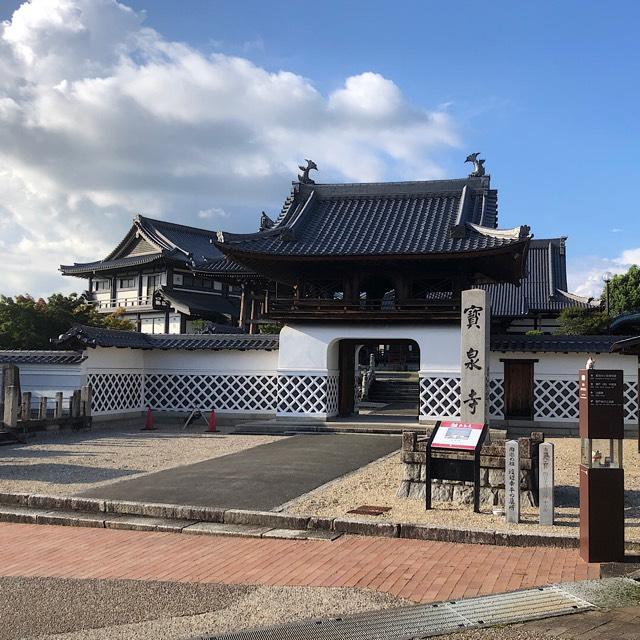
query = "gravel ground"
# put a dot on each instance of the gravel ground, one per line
(376, 484)
(73, 462)
(129, 609)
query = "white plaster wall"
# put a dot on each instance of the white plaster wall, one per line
(313, 348)
(565, 365)
(220, 362)
(112, 359)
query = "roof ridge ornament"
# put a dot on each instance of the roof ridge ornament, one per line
(478, 165)
(265, 222)
(303, 178)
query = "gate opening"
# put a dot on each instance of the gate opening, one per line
(378, 380)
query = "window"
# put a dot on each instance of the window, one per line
(153, 284)
(217, 286)
(129, 282)
(177, 278)
(187, 281)
(207, 283)
(102, 285)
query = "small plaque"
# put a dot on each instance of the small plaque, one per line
(457, 435)
(370, 510)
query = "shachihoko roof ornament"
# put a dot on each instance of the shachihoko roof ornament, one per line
(478, 165)
(304, 178)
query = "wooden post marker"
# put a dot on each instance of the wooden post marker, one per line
(546, 477)
(512, 481)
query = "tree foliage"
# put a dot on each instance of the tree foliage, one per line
(30, 323)
(624, 292)
(579, 321)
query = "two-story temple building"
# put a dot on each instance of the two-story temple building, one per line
(163, 276)
(341, 268)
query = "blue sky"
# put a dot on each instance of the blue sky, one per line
(548, 92)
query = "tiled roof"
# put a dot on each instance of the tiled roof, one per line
(543, 289)
(553, 343)
(225, 266)
(175, 243)
(440, 216)
(97, 337)
(194, 303)
(106, 265)
(41, 357)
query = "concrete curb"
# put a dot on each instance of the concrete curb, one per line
(122, 514)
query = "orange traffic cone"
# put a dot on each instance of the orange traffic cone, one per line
(148, 423)
(211, 424)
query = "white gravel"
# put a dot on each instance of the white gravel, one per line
(377, 483)
(136, 610)
(64, 464)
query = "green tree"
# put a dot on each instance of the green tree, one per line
(624, 292)
(30, 323)
(580, 321)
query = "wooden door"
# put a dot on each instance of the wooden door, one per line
(346, 380)
(518, 390)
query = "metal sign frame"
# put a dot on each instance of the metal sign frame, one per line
(447, 468)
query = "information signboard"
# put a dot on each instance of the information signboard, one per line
(464, 439)
(457, 435)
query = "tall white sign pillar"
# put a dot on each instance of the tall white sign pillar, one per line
(474, 365)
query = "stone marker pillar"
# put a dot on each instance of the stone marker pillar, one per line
(546, 482)
(11, 406)
(474, 354)
(512, 481)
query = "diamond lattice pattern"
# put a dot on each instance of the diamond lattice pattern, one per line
(630, 401)
(556, 399)
(170, 391)
(307, 394)
(114, 392)
(440, 396)
(496, 398)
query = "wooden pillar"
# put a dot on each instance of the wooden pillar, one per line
(243, 307)
(42, 408)
(252, 328)
(58, 409)
(166, 321)
(75, 404)
(140, 301)
(114, 291)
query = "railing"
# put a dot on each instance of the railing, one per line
(116, 303)
(384, 305)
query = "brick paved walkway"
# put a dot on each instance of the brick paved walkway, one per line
(421, 571)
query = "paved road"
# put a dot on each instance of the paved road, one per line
(419, 570)
(260, 478)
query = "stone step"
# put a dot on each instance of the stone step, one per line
(31, 515)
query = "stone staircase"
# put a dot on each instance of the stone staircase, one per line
(390, 387)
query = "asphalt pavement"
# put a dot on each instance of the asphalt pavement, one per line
(260, 478)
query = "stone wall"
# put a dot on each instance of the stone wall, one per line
(492, 464)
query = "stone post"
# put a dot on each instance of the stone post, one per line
(512, 481)
(58, 410)
(10, 378)
(546, 479)
(474, 354)
(42, 408)
(11, 406)
(25, 409)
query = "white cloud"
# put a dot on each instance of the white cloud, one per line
(213, 212)
(585, 275)
(102, 118)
